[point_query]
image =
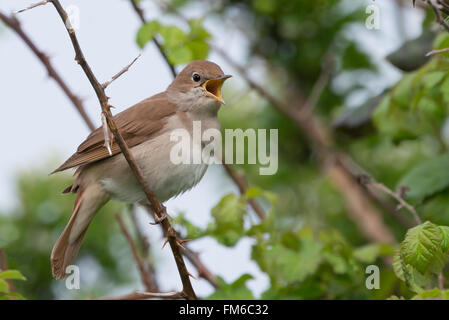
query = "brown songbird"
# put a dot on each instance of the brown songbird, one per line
(194, 95)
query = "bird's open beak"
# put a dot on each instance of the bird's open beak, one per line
(213, 87)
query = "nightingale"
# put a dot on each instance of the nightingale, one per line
(194, 95)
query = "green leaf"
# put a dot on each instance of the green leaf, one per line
(431, 79)
(179, 55)
(427, 178)
(147, 32)
(4, 288)
(227, 226)
(253, 192)
(16, 295)
(197, 30)
(234, 291)
(398, 266)
(192, 231)
(444, 231)
(287, 265)
(422, 250)
(199, 49)
(12, 274)
(432, 294)
(173, 36)
(442, 42)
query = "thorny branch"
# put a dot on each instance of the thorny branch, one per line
(187, 290)
(192, 256)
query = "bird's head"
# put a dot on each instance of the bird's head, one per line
(200, 81)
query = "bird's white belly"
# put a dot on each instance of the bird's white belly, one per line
(165, 178)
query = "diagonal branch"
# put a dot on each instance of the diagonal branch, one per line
(121, 72)
(398, 196)
(34, 5)
(160, 211)
(189, 254)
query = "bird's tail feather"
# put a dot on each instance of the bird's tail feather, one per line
(88, 201)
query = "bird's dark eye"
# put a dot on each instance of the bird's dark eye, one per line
(196, 77)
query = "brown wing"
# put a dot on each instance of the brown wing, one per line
(136, 124)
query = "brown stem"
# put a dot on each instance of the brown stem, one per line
(190, 255)
(102, 98)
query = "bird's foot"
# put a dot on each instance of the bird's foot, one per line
(158, 220)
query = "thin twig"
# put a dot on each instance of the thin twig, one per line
(143, 273)
(42, 3)
(366, 180)
(14, 24)
(321, 83)
(125, 69)
(103, 99)
(434, 52)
